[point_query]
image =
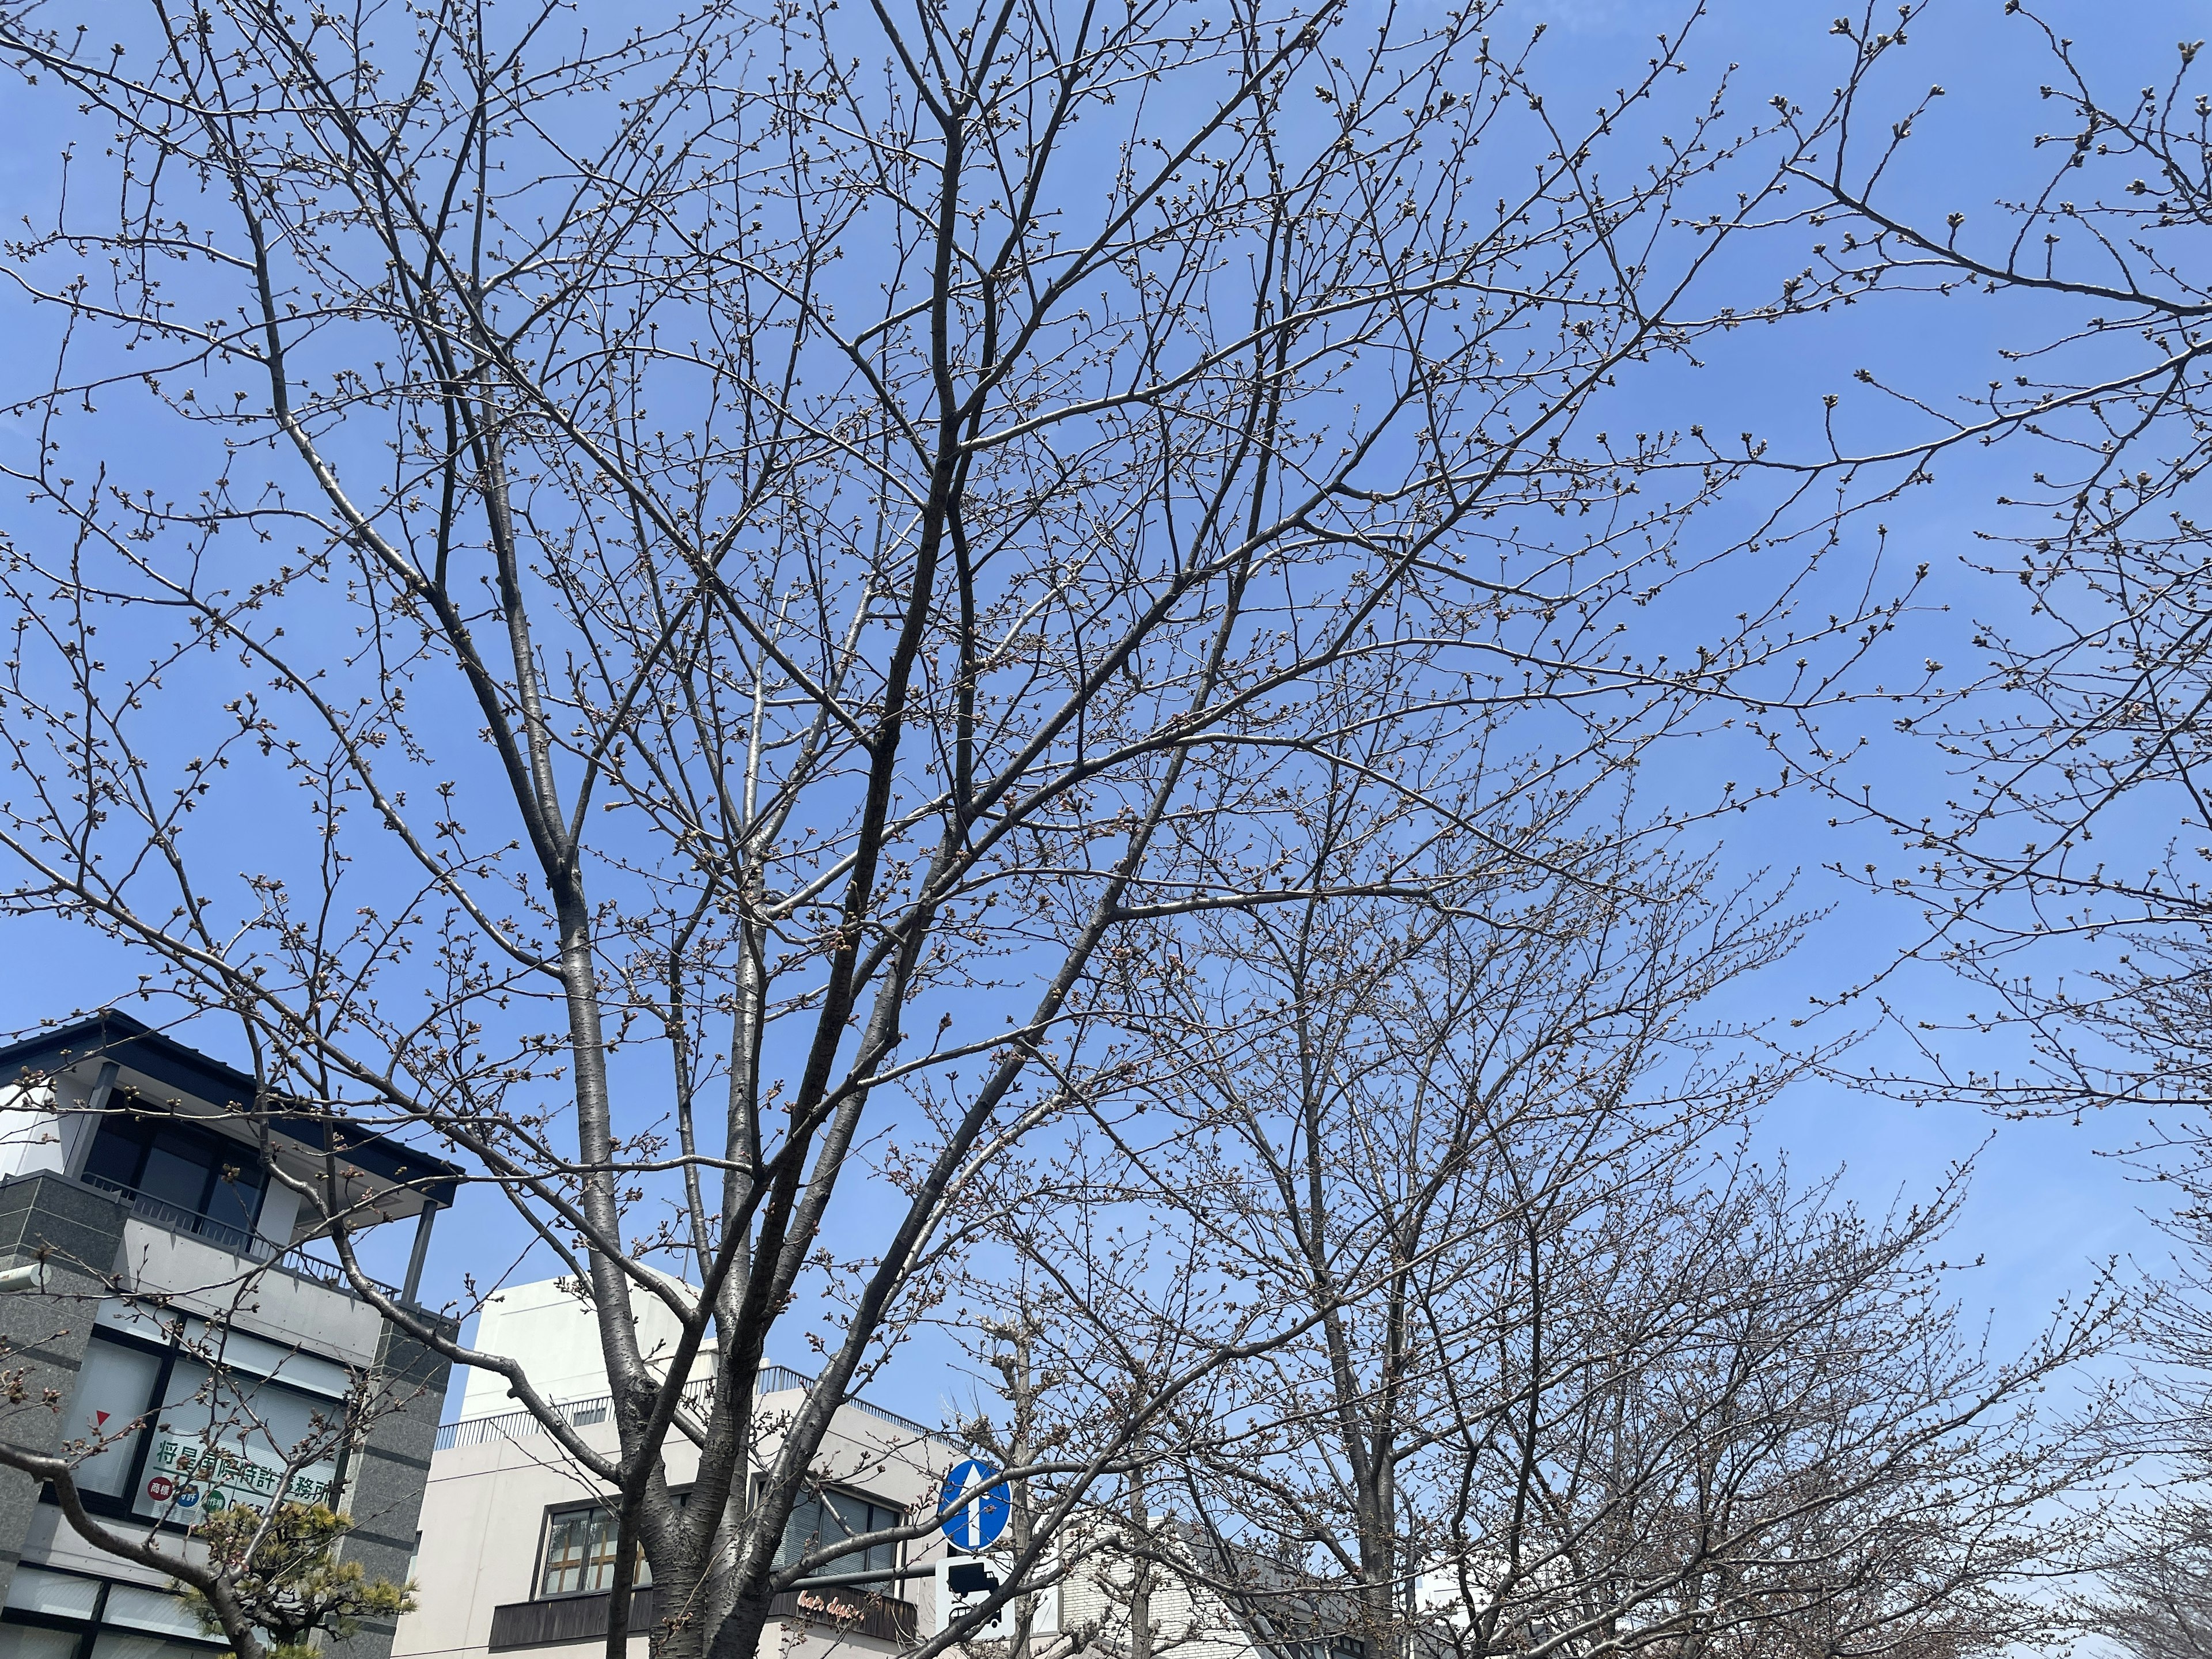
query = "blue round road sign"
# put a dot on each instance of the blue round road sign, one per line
(975, 1525)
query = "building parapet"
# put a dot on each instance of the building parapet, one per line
(597, 1409)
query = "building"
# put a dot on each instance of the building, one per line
(1198, 1600)
(201, 1355)
(516, 1550)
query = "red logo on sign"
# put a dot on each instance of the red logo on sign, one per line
(100, 1419)
(159, 1488)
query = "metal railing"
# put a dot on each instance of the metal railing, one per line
(298, 1263)
(583, 1413)
(234, 1241)
(773, 1379)
(174, 1218)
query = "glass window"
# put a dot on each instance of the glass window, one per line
(114, 1385)
(36, 1642)
(127, 1644)
(176, 1169)
(234, 1194)
(237, 1351)
(181, 1165)
(219, 1442)
(116, 1150)
(213, 1441)
(63, 1595)
(580, 1553)
(273, 1421)
(135, 1607)
(820, 1518)
(133, 1621)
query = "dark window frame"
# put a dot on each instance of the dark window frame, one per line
(90, 1631)
(142, 1443)
(145, 1125)
(888, 1587)
(538, 1590)
(122, 1508)
(820, 1491)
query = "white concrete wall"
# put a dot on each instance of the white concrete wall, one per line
(483, 1516)
(46, 1127)
(30, 1131)
(200, 1279)
(1188, 1622)
(556, 1337)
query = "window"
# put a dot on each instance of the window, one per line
(37, 1642)
(580, 1553)
(50, 1615)
(130, 1644)
(181, 1165)
(824, 1517)
(230, 1439)
(209, 1440)
(114, 1386)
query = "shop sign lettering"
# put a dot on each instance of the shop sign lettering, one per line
(193, 1479)
(829, 1607)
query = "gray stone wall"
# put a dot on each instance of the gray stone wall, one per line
(387, 1474)
(79, 1231)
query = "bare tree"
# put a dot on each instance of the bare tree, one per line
(2073, 730)
(781, 541)
(1571, 1376)
(2149, 1584)
(2065, 876)
(2158, 1602)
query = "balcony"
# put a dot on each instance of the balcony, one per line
(236, 1240)
(189, 1144)
(567, 1618)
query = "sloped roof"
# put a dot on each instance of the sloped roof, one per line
(111, 1034)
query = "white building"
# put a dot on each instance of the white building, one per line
(516, 1554)
(516, 1549)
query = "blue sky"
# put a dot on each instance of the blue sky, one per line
(2046, 1207)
